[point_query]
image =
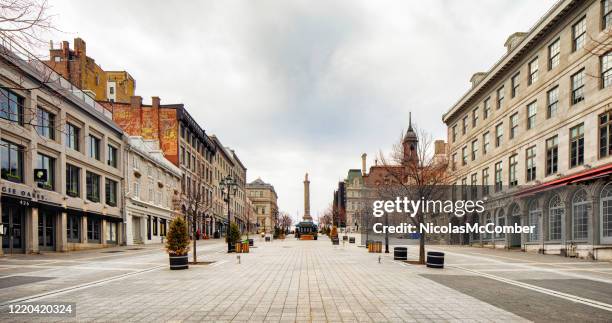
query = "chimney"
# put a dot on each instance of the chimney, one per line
(363, 164)
(155, 102)
(80, 47)
(135, 102)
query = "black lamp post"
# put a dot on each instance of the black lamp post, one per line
(228, 187)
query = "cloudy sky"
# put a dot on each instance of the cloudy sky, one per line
(301, 86)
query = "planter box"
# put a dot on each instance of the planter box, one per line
(179, 262)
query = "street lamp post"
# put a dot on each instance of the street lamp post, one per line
(228, 187)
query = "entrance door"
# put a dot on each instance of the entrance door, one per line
(136, 230)
(46, 230)
(12, 218)
(515, 238)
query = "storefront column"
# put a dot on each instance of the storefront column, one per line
(32, 231)
(84, 229)
(61, 243)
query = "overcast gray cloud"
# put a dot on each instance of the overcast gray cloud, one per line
(301, 86)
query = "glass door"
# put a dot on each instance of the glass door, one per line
(46, 230)
(12, 218)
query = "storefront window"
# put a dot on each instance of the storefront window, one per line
(111, 232)
(73, 228)
(93, 229)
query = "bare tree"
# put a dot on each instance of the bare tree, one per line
(414, 174)
(285, 221)
(197, 203)
(25, 21)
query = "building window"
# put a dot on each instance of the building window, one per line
(111, 232)
(499, 134)
(464, 157)
(554, 50)
(578, 87)
(93, 147)
(605, 134)
(486, 141)
(530, 162)
(513, 125)
(73, 228)
(73, 180)
(93, 229)
(473, 186)
(577, 145)
(606, 69)
(534, 214)
(453, 162)
(486, 111)
(137, 189)
(606, 11)
(553, 102)
(512, 178)
(464, 125)
(111, 158)
(605, 203)
(45, 123)
(516, 82)
(72, 136)
(498, 176)
(532, 109)
(111, 192)
(488, 219)
(11, 106)
(581, 211)
(474, 149)
(533, 71)
(162, 227)
(93, 186)
(48, 163)
(500, 221)
(552, 155)
(11, 156)
(500, 97)
(555, 218)
(485, 181)
(579, 34)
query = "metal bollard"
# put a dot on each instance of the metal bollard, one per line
(379, 257)
(238, 259)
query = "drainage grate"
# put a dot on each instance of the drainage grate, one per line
(20, 280)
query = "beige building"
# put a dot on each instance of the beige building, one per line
(226, 162)
(61, 159)
(535, 131)
(152, 185)
(264, 199)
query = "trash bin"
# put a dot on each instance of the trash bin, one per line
(344, 238)
(251, 242)
(400, 253)
(352, 240)
(435, 259)
(267, 239)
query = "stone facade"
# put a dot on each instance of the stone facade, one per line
(533, 133)
(152, 184)
(50, 125)
(264, 199)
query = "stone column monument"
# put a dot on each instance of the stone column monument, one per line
(307, 216)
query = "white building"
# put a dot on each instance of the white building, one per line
(153, 186)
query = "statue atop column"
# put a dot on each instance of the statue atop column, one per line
(307, 216)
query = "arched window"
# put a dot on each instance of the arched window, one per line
(534, 220)
(555, 218)
(581, 210)
(606, 213)
(500, 220)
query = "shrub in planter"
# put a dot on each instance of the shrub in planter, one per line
(234, 234)
(177, 244)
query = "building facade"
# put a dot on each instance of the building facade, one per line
(183, 142)
(152, 185)
(62, 163)
(226, 163)
(83, 72)
(534, 134)
(264, 199)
